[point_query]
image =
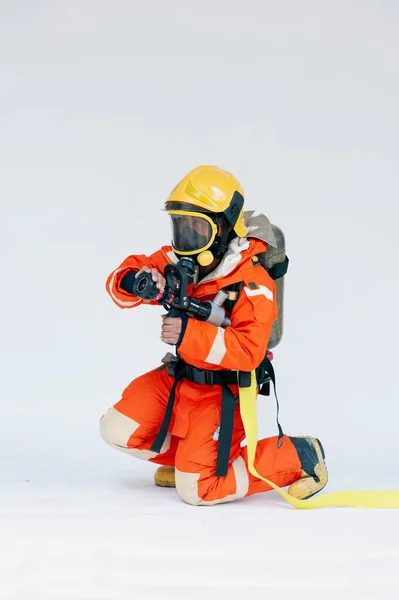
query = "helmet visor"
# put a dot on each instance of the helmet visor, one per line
(191, 233)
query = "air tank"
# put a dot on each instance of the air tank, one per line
(273, 257)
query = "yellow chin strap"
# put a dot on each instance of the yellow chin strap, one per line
(359, 499)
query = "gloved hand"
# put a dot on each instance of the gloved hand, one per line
(157, 277)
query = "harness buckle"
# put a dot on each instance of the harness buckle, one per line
(209, 378)
(202, 376)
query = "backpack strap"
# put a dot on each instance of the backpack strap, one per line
(235, 289)
(265, 374)
(234, 292)
(276, 271)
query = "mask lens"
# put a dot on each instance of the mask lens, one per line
(190, 233)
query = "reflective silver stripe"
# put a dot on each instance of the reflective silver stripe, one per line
(262, 290)
(120, 302)
(218, 350)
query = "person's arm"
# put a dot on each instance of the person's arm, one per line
(243, 344)
(119, 283)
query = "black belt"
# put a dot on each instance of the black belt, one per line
(181, 370)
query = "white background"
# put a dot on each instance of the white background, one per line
(104, 106)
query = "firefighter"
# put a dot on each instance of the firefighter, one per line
(208, 225)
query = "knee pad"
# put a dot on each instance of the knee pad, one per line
(116, 429)
(108, 428)
(187, 487)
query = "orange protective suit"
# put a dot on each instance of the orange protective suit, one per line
(132, 424)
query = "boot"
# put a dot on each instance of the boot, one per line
(314, 471)
(165, 476)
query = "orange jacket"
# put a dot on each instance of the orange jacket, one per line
(243, 344)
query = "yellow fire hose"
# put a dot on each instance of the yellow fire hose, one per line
(359, 499)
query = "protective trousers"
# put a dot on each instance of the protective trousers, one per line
(191, 444)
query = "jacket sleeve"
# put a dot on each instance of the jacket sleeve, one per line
(158, 260)
(243, 344)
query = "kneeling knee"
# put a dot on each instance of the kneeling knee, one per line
(187, 487)
(213, 489)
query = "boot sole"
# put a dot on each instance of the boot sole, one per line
(164, 484)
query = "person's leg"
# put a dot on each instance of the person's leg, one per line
(132, 424)
(313, 477)
(195, 466)
(298, 463)
(197, 483)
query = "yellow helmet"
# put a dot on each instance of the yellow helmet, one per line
(204, 198)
